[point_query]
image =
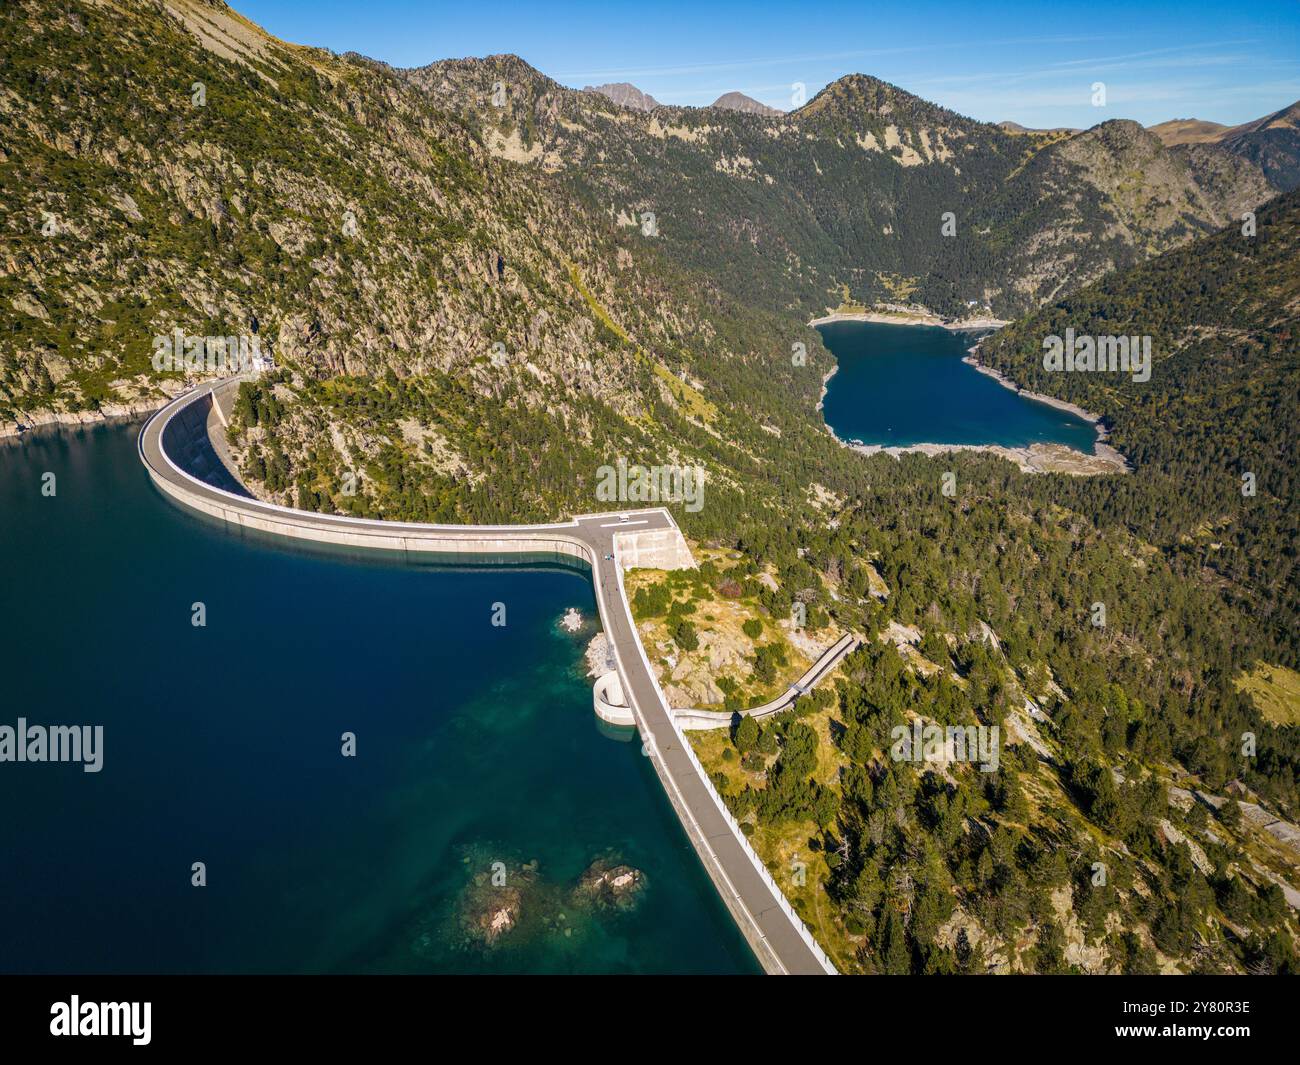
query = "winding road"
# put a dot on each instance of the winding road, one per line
(704, 718)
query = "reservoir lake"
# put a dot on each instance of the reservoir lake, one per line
(475, 745)
(902, 385)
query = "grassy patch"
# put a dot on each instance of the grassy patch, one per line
(897, 286)
(691, 400)
(596, 307)
(847, 304)
(1276, 692)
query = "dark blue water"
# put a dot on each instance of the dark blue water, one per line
(902, 385)
(475, 745)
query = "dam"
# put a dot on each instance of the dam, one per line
(183, 449)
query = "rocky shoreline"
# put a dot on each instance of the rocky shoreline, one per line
(109, 412)
(1001, 378)
(1101, 449)
(888, 318)
(597, 655)
(1036, 458)
(826, 381)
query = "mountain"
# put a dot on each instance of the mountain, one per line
(738, 101)
(485, 170)
(433, 307)
(1224, 316)
(849, 194)
(1016, 127)
(1271, 143)
(1188, 131)
(625, 95)
(778, 215)
(1115, 195)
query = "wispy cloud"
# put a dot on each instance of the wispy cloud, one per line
(1169, 59)
(625, 73)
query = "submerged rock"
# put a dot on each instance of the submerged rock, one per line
(497, 899)
(500, 915)
(610, 885)
(505, 904)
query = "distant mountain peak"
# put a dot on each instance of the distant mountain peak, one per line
(1016, 127)
(625, 95)
(1286, 119)
(1188, 131)
(1271, 143)
(859, 97)
(738, 101)
(860, 89)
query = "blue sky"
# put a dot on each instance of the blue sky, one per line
(1031, 62)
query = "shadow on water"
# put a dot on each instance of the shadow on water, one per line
(187, 441)
(617, 733)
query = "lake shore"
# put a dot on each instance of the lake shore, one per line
(899, 318)
(1116, 462)
(109, 412)
(826, 381)
(1034, 458)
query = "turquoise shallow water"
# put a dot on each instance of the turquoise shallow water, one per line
(475, 745)
(903, 385)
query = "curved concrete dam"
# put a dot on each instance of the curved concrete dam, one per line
(183, 448)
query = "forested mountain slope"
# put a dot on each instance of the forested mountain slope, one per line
(309, 200)
(358, 218)
(1223, 315)
(1102, 625)
(388, 262)
(853, 187)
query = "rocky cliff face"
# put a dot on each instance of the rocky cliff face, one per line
(321, 205)
(1107, 198)
(437, 313)
(318, 204)
(1271, 143)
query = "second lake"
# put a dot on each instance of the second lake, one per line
(901, 385)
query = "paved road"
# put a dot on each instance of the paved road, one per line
(828, 660)
(757, 907)
(751, 900)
